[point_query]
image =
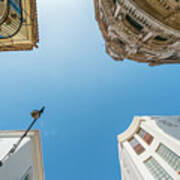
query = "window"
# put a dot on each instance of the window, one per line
(121, 42)
(26, 177)
(138, 148)
(170, 157)
(157, 171)
(133, 22)
(160, 38)
(145, 136)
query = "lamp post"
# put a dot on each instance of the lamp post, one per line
(35, 115)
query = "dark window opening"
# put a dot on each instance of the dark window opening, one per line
(26, 177)
(160, 38)
(121, 42)
(135, 24)
(114, 1)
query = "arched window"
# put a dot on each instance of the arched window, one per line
(134, 23)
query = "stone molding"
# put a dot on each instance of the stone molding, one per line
(125, 41)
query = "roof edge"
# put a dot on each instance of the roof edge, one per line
(132, 129)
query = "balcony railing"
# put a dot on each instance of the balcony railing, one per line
(11, 19)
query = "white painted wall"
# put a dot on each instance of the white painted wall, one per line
(170, 125)
(19, 163)
(165, 130)
(129, 168)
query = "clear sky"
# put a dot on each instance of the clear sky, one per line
(89, 97)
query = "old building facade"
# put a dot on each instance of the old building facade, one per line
(18, 25)
(150, 149)
(144, 31)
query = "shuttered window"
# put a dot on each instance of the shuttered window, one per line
(138, 148)
(145, 136)
(156, 170)
(170, 157)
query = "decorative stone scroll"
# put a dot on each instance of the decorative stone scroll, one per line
(131, 31)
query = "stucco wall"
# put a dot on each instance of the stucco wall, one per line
(19, 163)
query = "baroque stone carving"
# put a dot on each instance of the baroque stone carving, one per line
(144, 31)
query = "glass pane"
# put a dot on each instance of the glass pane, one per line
(170, 157)
(157, 170)
(136, 146)
(26, 177)
(145, 136)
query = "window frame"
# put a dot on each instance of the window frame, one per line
(150, 138)
(170, 162)
(155, 169)
(138, 148)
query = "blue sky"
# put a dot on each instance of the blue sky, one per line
(89, 98)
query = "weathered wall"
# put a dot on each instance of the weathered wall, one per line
(132, 30)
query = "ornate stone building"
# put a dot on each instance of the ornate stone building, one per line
(141, 30)
(18, 25)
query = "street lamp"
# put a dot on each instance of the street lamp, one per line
(35, 115)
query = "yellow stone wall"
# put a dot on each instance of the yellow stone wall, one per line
(20, 33)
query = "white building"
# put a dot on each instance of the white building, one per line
(26, 162)
(150, 149)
